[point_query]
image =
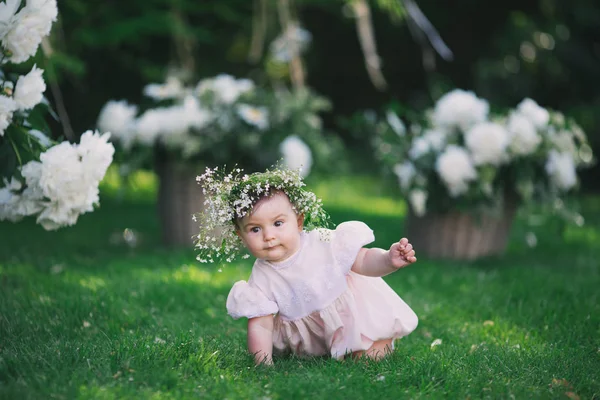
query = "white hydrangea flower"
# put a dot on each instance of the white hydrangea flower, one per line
(460, 108)
(28, 27)
(7, 108)
(539, 116)
(405, 173)
(456, 169)
(561, 169)
(524, 138)
(257, 116)
(296, 155)
(226, 88)
(418, 201)
(118, 118)
(171, 89)
(487, 142)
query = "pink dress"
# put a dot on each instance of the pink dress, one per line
(321, 306)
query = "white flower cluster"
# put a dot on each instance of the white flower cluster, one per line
(230, 196)
(468, 151)
(61, 186)
(212, 111)
(22, 31)
(64, 182)
(27, 93)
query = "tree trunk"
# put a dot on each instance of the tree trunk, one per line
(461, 236)
(179, 197)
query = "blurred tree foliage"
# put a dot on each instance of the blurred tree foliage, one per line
(548, 50)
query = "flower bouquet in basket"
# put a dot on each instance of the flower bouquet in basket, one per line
(464, 170)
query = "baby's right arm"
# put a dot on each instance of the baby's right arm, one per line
(260, 339)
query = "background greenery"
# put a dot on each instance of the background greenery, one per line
(112, 51)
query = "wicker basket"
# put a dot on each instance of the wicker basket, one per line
(179, 197)
(460, 236)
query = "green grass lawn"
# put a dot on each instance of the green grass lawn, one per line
(85, 315)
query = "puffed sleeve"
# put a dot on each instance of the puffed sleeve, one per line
(246, 300)
(348, 238)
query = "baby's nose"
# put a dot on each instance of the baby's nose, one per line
(268, 234)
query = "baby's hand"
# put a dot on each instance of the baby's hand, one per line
(402, 254)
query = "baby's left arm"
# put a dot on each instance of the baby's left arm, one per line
(379, 262)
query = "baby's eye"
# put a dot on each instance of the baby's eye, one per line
(254, 229)
(278, 223)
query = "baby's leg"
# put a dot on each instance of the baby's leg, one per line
(377, 351)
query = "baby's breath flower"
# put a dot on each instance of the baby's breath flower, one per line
(232, 196)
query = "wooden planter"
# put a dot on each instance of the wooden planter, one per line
(179, 197)
(460, 236)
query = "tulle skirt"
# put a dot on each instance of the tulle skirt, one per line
(368, 311)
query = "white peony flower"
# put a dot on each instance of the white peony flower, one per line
(561, 169)
(32, 199)
(257, 116)
(61, 172)
(418, 201)
(118, 118)
(171, 89)
(7, 107)
(538, 116)
(8, 10)
(455, 168)
(226, 88)
(405, 173)
(96, 155)
(524, 138)
(46, 10)
(28, 27)
(395, 123)
(296, 155)
(30, 89)
(460, 109)
(487, 142)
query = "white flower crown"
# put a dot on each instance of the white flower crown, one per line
(232, 195)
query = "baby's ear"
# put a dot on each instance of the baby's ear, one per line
(300, 222)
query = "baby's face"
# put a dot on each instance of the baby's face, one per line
(272, 230)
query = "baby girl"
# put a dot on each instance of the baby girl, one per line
(312, 291)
